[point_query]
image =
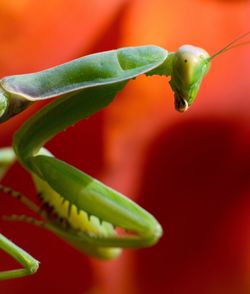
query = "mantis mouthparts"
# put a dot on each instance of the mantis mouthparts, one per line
(180, 103)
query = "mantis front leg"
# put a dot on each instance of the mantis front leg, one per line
(90, 207)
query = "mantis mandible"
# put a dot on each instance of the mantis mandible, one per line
(77, 207)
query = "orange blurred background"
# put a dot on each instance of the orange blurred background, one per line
(192, 170)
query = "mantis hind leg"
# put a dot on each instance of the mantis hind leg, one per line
(30, 264)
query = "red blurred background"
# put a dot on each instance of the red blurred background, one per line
(192, 170)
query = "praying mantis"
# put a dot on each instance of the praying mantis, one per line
(75, 206)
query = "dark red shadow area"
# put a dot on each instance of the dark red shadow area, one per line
(196, 175)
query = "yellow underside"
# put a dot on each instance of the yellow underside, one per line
(78, 219)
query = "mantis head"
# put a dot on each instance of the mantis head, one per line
(190, 64)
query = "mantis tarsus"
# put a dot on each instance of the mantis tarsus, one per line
(85, 211)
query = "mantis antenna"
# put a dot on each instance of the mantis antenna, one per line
(232, 45)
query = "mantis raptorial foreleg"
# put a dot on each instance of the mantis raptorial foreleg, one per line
(78, 208)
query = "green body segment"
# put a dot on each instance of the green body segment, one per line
(18, 92)
(90, 71)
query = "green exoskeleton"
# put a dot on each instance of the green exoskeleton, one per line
(77, 207)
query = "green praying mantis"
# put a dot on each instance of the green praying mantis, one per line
(76, 207)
